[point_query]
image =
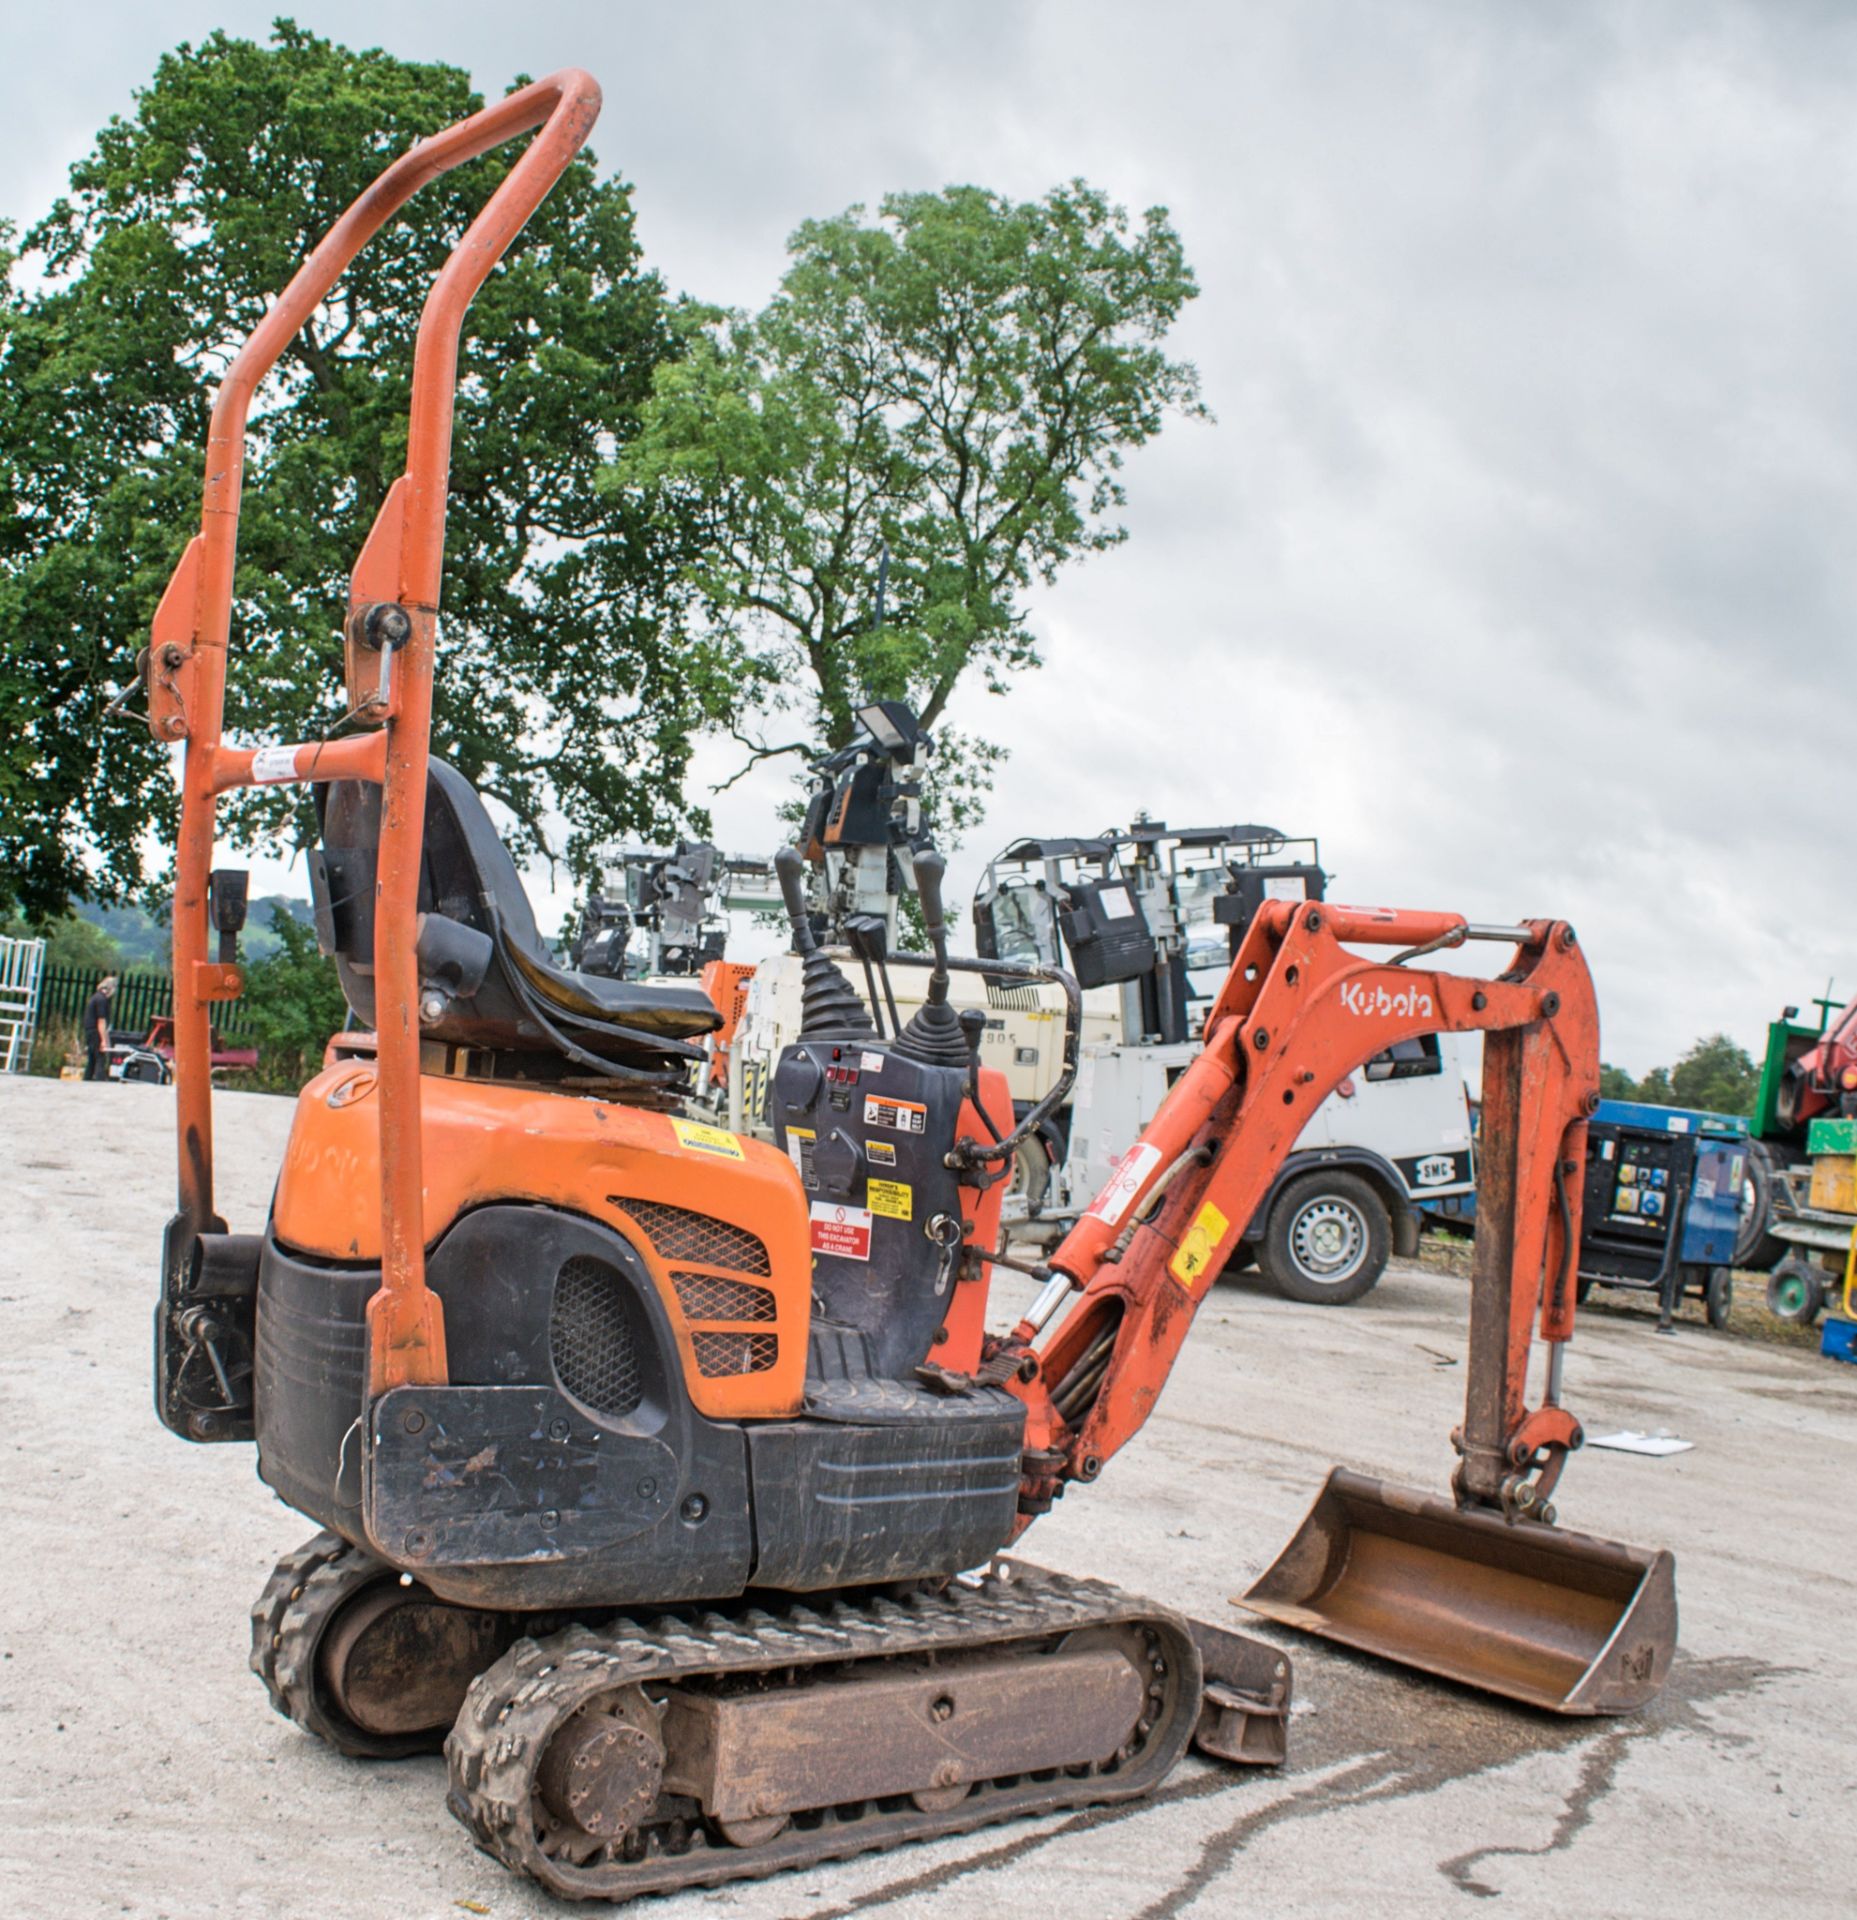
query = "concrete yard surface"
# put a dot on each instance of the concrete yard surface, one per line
(144, 1773)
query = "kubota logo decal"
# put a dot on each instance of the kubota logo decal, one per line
(1365, 1000)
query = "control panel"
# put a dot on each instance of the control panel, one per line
(1631, 1181)
(868, 1130)
(1632, 1206)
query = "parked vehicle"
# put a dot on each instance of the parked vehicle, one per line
(150, 1057)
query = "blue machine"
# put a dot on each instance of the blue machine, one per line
(1663, 1204)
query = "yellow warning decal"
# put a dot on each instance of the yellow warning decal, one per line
(701, 1139)
(891, 1198)
(1194, 1260)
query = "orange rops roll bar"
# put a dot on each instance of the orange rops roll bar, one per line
(402, 561)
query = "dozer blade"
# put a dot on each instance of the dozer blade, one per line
(1559, 1620)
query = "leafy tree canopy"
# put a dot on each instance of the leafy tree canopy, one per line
(292, 1004)
(1616, 1084)
(959, 379)
(557, 692)
(70, 942)
(1714, 1076)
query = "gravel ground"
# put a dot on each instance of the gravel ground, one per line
(145, 1775)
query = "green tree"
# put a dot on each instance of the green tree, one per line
(1716, 1076)
(292, 1004)
(1616, 1084)
(959, 379)
(1654, 1089)
(70, 942)
(559, 691)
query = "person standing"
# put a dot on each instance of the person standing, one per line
(97, 1030)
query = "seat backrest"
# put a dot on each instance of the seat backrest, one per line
(480, 951)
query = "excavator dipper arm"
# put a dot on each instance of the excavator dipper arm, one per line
(1297, 1013)
(1485, 1590)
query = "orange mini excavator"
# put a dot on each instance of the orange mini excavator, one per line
(653, 1462)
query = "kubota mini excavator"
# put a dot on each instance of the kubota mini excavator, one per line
(652, 1461)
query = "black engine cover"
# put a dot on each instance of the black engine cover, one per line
(563, 1465)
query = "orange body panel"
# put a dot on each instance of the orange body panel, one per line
(726, 983)
(486, 1143)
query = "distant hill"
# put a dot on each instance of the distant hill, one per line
(142, 937)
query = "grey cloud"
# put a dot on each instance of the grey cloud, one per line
(1518, 566)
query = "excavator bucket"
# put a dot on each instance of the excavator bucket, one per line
(1558, 1620)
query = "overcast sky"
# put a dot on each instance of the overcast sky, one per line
(1518, 565)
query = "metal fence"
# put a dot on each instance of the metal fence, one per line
(21, 965)
(142, 997)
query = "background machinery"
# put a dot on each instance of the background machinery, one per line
(1663, 1214)
(1147, 921)
(1808, 1084)
(651, 1462)
(663, 914)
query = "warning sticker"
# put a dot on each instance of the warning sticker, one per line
(844, 1231)
(871, 1062)
(880, 1153)
(900, 1116)
(1195, 1257)
(701, 1139)
(891, 1198)
(1137, 1163)
(799, 1151)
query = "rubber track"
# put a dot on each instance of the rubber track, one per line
(306, 1590)
(515, 1706)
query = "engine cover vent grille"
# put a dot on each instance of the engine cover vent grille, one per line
(705, 1297)
(590, 1337)
(718, 1355)
(677, 1234)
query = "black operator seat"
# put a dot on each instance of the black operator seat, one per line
(480, 952)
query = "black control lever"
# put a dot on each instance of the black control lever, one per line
(828, 1007)
(930, 869)
(790, 871)
(868, 935)
(934, 1035)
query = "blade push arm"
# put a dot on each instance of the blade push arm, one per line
(1298, 1012)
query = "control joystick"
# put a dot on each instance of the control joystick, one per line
(934, 1034)
(829, 1009)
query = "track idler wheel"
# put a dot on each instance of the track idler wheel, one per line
(600, 1773)
(373, 1664)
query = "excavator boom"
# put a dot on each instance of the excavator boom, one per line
(1484, 1589)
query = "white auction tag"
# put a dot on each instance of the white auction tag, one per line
(269, 765)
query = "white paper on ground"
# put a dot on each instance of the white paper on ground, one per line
(1629, 1442)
